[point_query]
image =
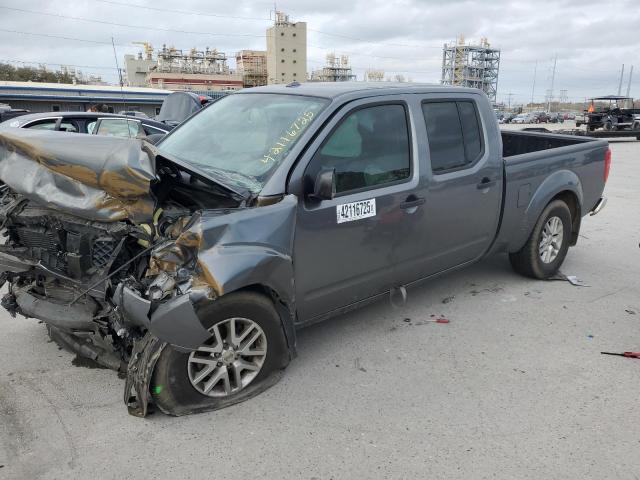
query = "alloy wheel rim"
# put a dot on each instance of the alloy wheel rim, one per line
(551, 242)
(230, 359)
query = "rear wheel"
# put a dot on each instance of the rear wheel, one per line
(243, 357)
(547, 245)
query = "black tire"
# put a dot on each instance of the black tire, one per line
(171, 388)
(527, 261)
(608, 126)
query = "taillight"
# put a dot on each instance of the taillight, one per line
(607, 164)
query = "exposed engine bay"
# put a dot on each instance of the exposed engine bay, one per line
(119, 261)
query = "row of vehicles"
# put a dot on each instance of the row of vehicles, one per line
(534, 117)
(176, 108)
(189, 264)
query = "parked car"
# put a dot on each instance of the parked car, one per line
(191, 265)
(523, 118)
(7, 113)
(179, 106)
(556, 117)
(540, 117)
(86, 122)
(508, 117)
(133, 113)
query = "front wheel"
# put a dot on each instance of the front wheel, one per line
(243, 357)
(547, 245)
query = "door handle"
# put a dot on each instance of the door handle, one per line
(411, 202)
(486, 182)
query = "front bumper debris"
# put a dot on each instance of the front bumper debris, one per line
(174, 321)
(146, 352)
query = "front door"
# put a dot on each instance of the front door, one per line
(345, 248)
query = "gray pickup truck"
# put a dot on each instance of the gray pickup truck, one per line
(190, 264)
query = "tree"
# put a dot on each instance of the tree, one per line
(40, 74)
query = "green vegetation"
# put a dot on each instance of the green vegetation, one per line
(40, 74)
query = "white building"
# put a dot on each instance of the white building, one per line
(286, 51)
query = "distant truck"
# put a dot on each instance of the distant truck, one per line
(190, 265)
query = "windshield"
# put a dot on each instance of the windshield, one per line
(242, 138)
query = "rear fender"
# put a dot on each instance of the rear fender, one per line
(553, 185)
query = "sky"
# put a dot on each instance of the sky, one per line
(591, 38)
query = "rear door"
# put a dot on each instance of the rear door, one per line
(463, 203)
(346, 248)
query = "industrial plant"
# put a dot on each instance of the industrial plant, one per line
(468, 65)
(337, 69)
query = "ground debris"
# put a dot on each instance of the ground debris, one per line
(629, 311)
(357, 365)
(572, 279)
(448, 299)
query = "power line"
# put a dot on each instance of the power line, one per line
(138, 27)
(373, 42)
(59, 37)
(184, 12)
(115, 24)
(191, 12)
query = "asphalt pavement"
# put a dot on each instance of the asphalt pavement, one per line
(514, 387)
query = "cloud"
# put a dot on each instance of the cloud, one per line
(591, 38)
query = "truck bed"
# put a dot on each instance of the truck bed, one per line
(539, 166)
(519, 143)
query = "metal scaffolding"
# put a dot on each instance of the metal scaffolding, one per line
(337, 69)
(252, 65)
(171, 59)
(475, 66)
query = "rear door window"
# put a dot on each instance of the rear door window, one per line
(454, 134)
(369, 148)
(69, 126)
(119, 127)
(48, 124)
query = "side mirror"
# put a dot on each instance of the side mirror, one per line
(324, 186)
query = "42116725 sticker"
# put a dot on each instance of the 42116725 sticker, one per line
(349, 212)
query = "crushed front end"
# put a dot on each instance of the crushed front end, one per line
(103, 248)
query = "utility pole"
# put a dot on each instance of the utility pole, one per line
(510, 95)
(629, 84)
(553, 80)
(533, 88)
(620, 84)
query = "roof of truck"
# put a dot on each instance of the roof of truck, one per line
(336, 89)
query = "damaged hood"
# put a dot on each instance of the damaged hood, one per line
(94, 177)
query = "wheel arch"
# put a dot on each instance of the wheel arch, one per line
(284, 305)
(561, 185)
